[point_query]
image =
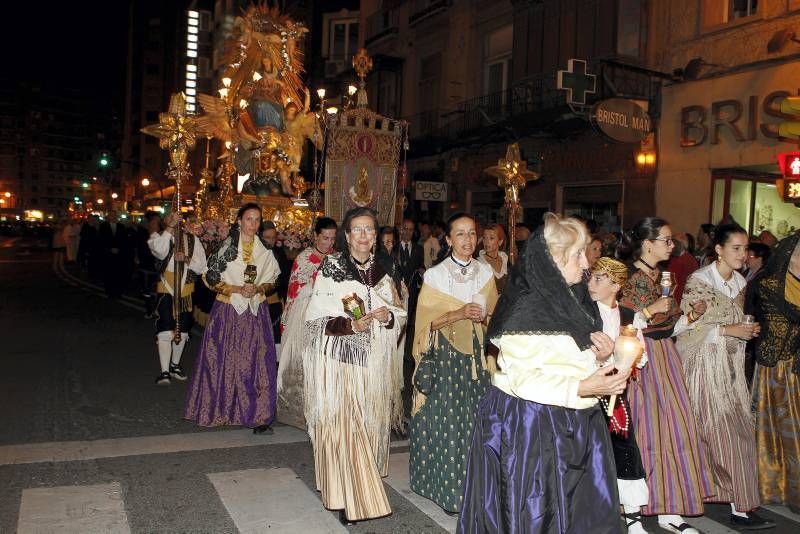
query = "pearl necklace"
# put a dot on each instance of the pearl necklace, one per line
(613, 424)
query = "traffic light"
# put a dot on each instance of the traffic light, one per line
(788, 187)
(105, 160)
(790, 129)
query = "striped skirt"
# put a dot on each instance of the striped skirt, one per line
(677, 475)
(777, 395)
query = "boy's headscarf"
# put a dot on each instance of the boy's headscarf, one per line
(616, 270)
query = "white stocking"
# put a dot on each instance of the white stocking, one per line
(164, 342)
(734, 512)
(177, 351)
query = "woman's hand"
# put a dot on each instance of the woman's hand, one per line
(604, 381)
(698, 308)
(473, 312)
(742, 331)
(361, 325)
(248, 290)
(381, 314)
(662, 305)
(602, 345)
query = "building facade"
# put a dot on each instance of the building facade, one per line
(170, 49)
(473, 76)
(717, 138)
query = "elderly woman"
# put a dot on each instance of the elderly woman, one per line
(541, 457)
(353, 377)
(234, 375)
(293, 324)
(452, 374)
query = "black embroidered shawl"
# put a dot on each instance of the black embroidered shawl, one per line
(226, 253)
(537, 300)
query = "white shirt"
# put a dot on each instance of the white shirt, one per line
(447, 278)
(159, 246)
(503, 263)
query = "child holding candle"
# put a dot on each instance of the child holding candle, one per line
(606, 281)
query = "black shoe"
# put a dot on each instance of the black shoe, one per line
(344, 521)
(176, 372)
(753, 521)
(263, 429)
(452, 514)
(163, 379)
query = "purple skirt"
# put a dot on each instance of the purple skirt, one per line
(234, 376)
(535, 468)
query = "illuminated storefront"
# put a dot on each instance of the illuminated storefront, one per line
(718, 147)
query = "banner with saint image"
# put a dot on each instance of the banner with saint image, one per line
(361, 165)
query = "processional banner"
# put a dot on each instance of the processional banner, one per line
(361, 165)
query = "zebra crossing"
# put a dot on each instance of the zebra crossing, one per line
(275, 499)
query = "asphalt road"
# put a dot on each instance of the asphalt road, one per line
(88, 443)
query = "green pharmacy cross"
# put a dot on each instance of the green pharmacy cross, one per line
(576, 82)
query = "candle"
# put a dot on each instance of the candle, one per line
(627, 349)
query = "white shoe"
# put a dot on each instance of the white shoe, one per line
(682, 528)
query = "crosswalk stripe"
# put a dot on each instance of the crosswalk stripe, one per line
(399, 480)
(272, 500)
(73, 509)
(67, 451)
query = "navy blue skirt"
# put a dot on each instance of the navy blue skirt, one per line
(535, 468)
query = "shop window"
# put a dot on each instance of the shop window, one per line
(772, 214)
(718, 204)
(740, 199)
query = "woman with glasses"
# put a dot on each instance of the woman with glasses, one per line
(678, 477)
(353, 374)
(452, 373)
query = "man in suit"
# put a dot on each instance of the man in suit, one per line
(277, 296)
(116, 247)
(410, 259)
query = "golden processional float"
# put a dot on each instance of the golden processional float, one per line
(261, 122)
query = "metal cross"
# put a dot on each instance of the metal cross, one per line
(576, 82)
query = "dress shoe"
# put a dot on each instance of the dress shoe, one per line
(263, 429)
(344, 521)
(753, 521)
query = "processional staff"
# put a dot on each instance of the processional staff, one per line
(513, 175)
(177, 132)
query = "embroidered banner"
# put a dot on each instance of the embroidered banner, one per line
(361, 165)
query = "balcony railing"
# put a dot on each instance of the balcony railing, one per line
(531, 104)
(381, 24)
(422, 9)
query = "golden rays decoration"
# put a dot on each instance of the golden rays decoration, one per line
(512, 175)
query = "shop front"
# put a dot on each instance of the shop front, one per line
(718, 149)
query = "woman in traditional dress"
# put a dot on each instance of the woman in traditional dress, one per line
(452, 371)
(713, 361)
(494, 238)
(233, 382)
(666, 430)
(353, 377)
(293, 331)
(541, 458)
(776, 384)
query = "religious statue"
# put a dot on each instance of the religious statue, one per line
(360, 193)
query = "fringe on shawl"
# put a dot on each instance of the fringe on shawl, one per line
(293, 338)
(716, 367)
(375, 386)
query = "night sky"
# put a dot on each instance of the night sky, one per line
(77, 44)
